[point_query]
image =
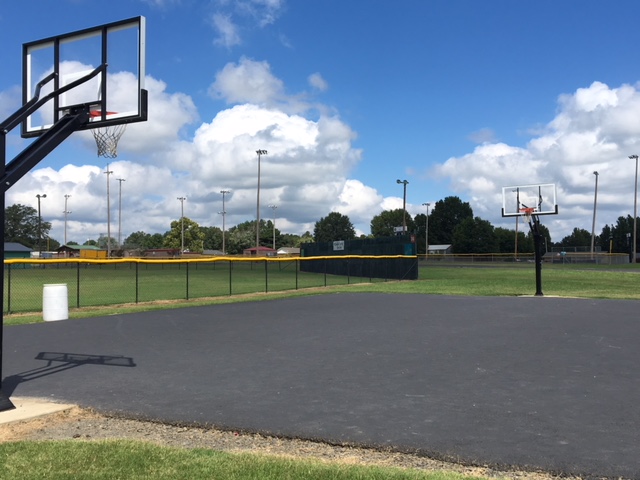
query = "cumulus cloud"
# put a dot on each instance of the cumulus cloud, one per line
(305, 172)
(247, 81)
(595, 129)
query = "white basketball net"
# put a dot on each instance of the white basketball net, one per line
(107, 139)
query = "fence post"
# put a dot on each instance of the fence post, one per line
(187, 277)
(137, 283)
(230, 277)
(297, 264)
(266, 275)
(78, 284)
(8, 287)
(325, 272)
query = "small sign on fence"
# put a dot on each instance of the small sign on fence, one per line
(338, 245)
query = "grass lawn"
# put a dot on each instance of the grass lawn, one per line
(69, 460)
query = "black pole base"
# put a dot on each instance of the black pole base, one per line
(5, 403)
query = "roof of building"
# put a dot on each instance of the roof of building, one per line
(16, 247)
(79, 247)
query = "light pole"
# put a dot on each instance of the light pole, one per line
(39, 196)
(66, 213)
(260, 153)
(426, 232)
(108, 172)
(274, 224)
(635, 207)
(224, 213)
(404, 206)
(593, 224)
(182, 199)
(120, 180)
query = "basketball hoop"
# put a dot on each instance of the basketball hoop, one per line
(107, 137)
(527, 212)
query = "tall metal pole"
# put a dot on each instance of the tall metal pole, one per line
(593, 224)
(108, 172)
(274, 224)
(404, 206)
(66, 213)
(260, 153)
(182, 199)
(224, 213)
(120, 180)
(426, 232)
(635, 209)
(39, 196)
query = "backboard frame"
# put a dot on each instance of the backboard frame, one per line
(517, 200)
(47, 57)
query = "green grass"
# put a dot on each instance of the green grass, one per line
(124, 283)
(167, 286)
(106, 460)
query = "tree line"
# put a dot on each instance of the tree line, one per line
(450, 222)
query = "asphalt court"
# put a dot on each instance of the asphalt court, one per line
(535, 383)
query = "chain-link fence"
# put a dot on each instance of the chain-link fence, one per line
(112, 282)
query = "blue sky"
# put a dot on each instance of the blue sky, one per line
(459, 97)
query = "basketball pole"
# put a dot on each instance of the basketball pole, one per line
(17, 168)
(534, 225)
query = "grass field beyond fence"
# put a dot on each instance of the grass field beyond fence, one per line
(93, 283)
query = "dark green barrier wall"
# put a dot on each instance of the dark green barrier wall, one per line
(387, 268)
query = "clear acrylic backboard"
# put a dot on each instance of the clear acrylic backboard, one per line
(116, 92)
(518, 200)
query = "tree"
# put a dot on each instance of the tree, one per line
(445, 217)
(578, 238)
(212, 238)
(606, 238)
(137, 241)
(383, 224)
(21, 225)
(334, 226)
(193, 236)
(474, 235)
(239, 239)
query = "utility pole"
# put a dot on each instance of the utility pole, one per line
(182, 199)
(404, 205)
(120, 180)
(108, 172)
(39, 196)
(66, 213)
(224, 213)
(274, 224)
(260, 153)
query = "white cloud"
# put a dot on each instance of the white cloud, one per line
(247, 81)
(317, 82)
(228, 35)
(596, 128)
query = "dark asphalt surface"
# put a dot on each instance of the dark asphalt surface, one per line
(535, 383)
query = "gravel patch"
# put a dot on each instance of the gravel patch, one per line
(87, 425)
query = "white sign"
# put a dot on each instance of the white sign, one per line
(338, 245)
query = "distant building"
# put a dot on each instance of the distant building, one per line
(81, 251)
(439, 249)
(289, 251)
(16, 250)
(259, 252)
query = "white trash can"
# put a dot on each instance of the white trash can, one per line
(55, 302)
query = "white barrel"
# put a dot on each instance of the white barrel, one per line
(55, 302)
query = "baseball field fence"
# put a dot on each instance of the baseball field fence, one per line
(129, 281)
